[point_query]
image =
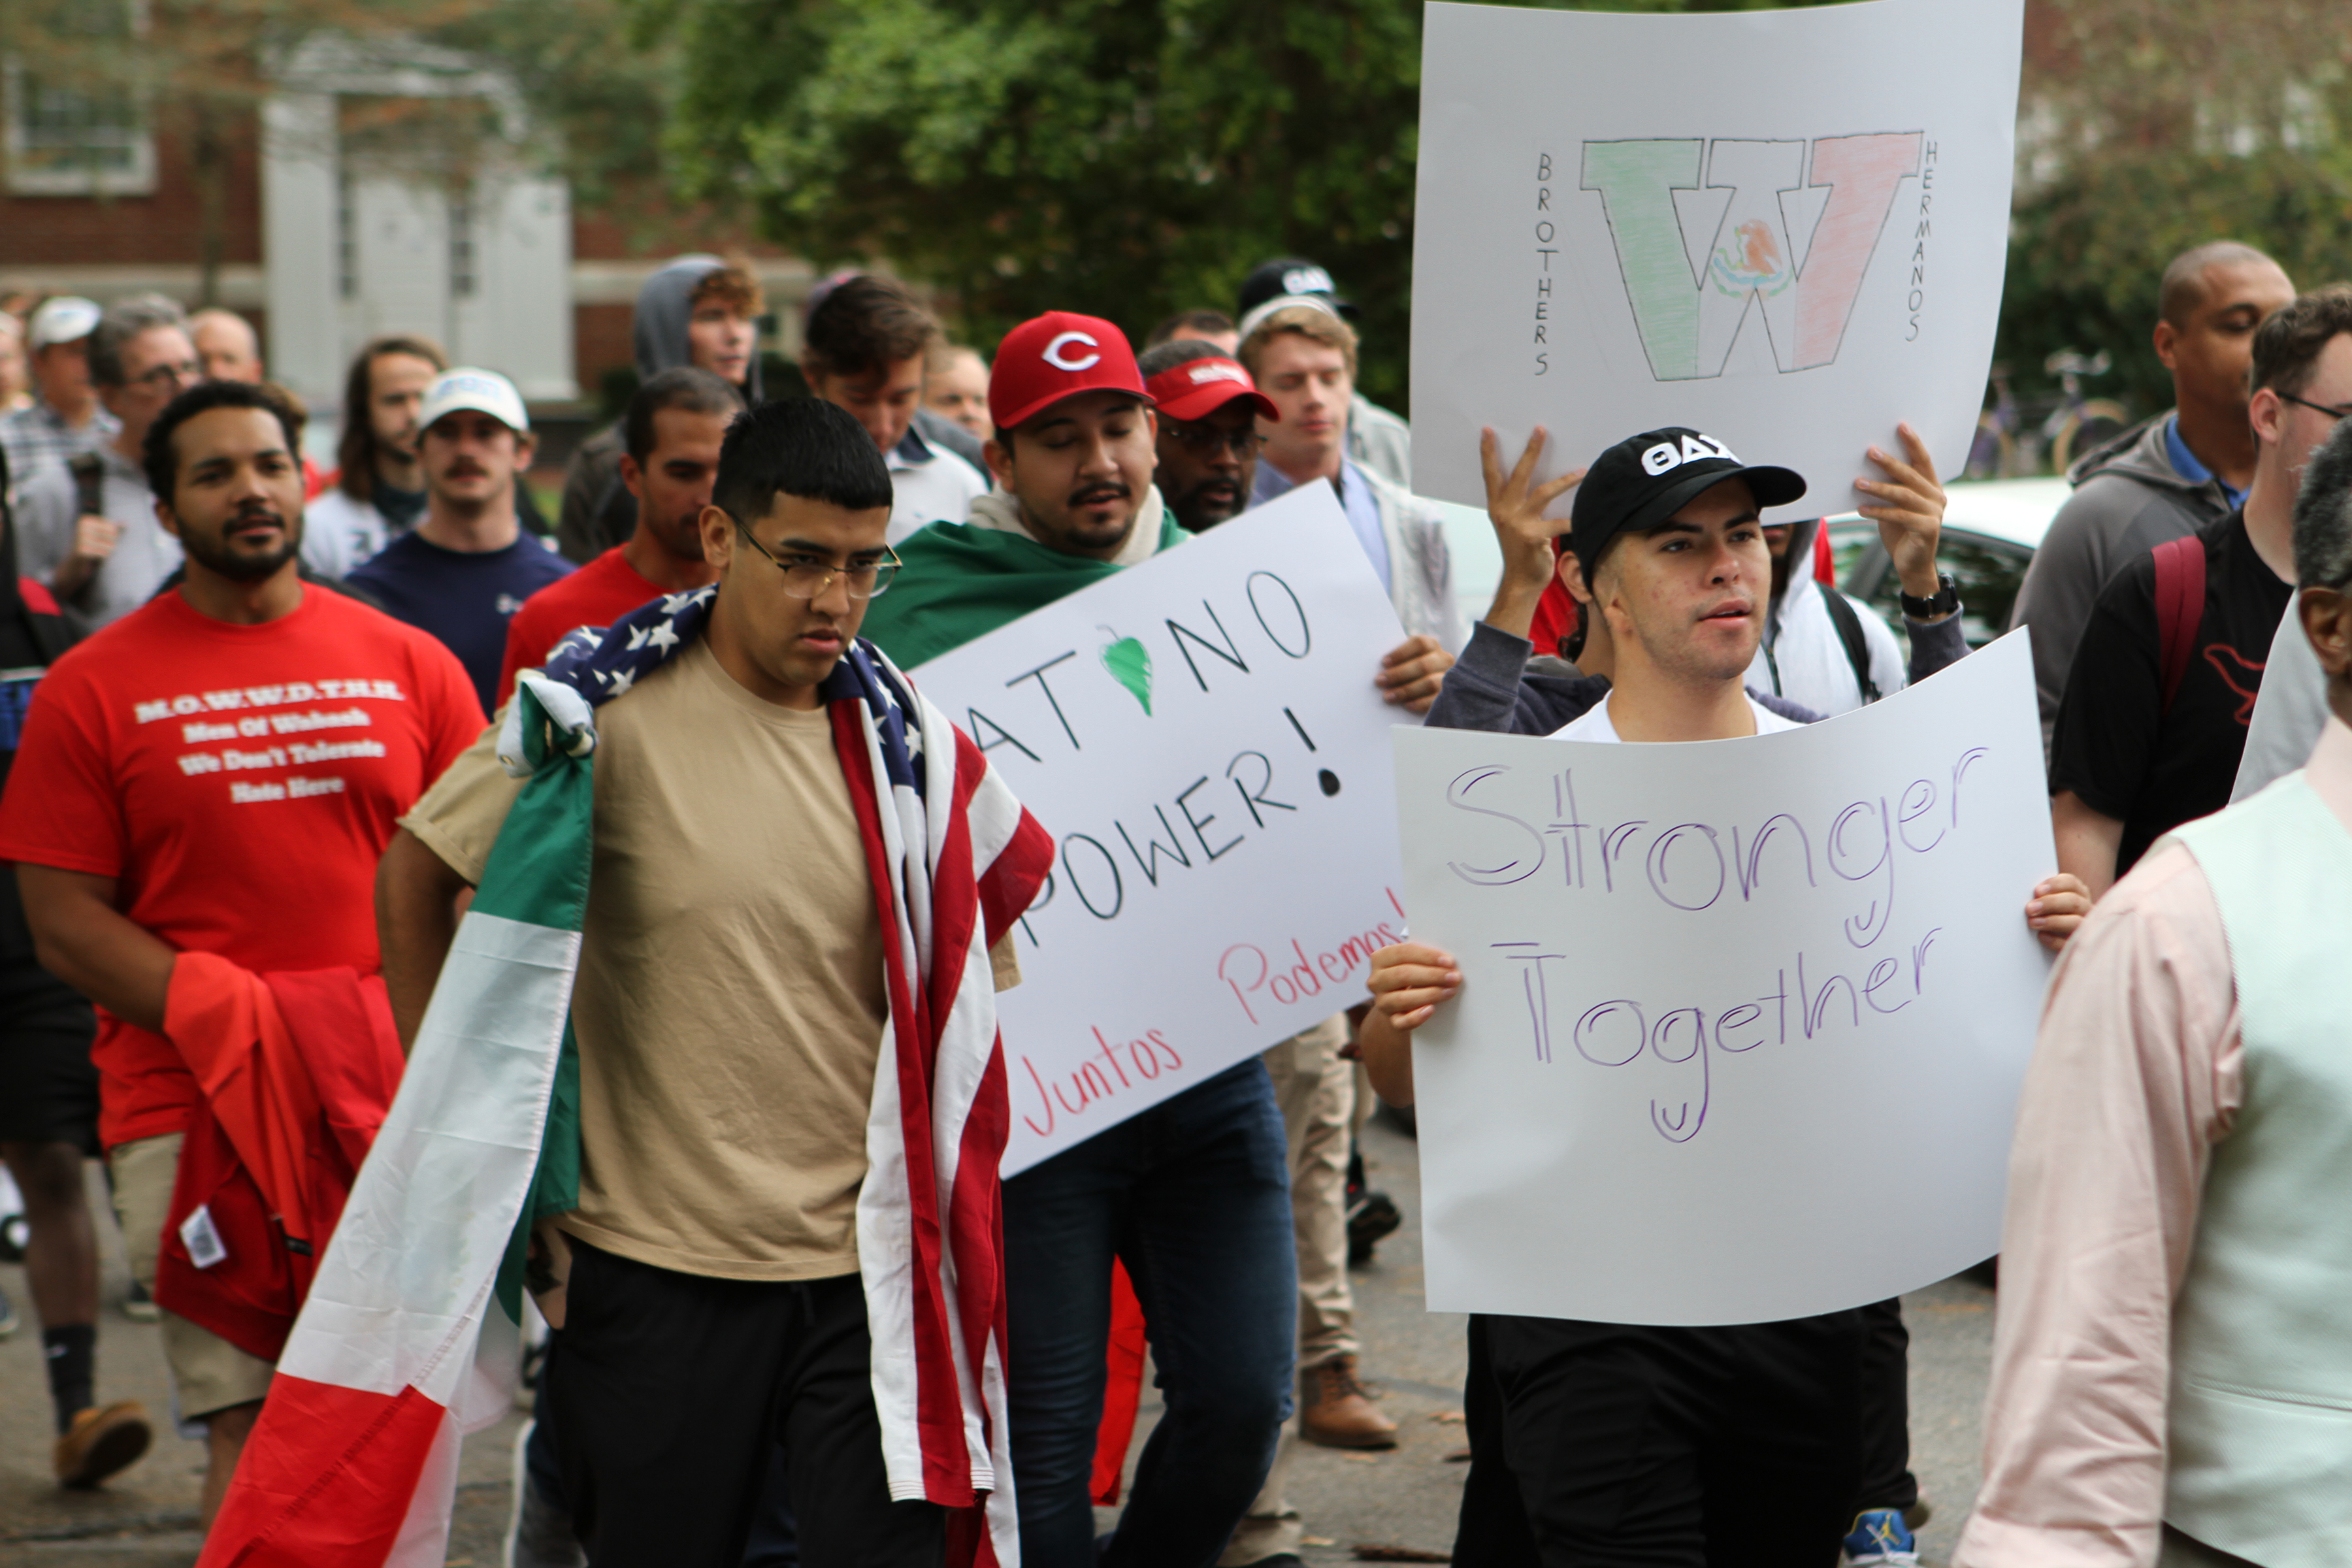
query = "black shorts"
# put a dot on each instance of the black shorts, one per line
(49, 1087)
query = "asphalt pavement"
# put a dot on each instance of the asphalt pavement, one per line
(1398, 1503)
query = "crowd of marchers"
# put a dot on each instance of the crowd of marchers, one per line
(251, 717)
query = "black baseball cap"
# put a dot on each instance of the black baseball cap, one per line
(1290, 276)
(1645, 479)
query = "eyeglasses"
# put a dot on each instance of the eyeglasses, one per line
(2343, 413)
(805, 576)
(179, 375)
(1205, 441)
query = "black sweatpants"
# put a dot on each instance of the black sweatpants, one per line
(1612, 1445)
(675, 1386)
(1886, 1477)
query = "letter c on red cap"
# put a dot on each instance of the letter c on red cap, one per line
(1053, 355)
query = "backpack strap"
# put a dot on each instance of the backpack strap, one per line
(2179, 607)
(1849, 631)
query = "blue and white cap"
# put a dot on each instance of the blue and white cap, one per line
(483, 391)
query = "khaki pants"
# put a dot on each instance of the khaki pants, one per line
(1316, 1087)
(208, 1373)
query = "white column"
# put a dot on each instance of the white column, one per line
(519, 319)
(299, 249)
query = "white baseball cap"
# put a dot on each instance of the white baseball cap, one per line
(483, 391)
(67, 319)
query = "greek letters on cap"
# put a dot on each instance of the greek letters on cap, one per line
(1666, 455)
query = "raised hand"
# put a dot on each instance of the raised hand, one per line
(1909, 512)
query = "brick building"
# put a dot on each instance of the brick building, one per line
(323, 244)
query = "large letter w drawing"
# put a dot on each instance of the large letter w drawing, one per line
(1698, 251)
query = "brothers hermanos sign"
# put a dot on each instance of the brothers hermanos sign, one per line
(1788, 228)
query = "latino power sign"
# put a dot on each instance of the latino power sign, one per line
(1202, 736)
(1742, 1023)
(1786, 227)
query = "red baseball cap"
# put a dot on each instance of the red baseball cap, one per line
(1202, 386)
(1058, 354)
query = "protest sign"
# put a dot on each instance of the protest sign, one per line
(1742, 1023)
(1784, 228)
(1202, 736)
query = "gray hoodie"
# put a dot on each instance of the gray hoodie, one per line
(2128, 498)
(598, 510)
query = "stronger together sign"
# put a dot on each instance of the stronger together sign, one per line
(1707, 986)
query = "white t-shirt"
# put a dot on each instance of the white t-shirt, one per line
(1595, 725)
(1803, 658)
(935, 486)
(339, 534)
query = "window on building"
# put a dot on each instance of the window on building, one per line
(69, 131)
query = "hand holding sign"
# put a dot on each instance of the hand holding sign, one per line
(1518, 507)
(1909, 512)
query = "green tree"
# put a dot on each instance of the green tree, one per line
(598, 85)
(2150, 126)
(1126, 158)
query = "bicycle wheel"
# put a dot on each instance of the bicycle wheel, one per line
(2099, 421)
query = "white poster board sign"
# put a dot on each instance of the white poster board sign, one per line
(1742, 1023)
(1201, 736)
(1785, 229)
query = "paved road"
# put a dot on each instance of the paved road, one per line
(1407, 1497)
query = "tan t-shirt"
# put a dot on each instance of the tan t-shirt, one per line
(730, 999)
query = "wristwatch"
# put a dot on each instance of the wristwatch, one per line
(1945, 601)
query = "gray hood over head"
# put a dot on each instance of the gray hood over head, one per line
(662, 317)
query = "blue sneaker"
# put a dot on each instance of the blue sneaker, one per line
(1880, 1540)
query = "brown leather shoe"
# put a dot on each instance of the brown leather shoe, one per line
(102, 1441)
(1335, 1411)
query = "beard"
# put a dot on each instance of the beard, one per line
(1209, 503)
(682, 535)
(216, 554)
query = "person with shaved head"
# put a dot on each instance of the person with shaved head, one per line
(2167, 477)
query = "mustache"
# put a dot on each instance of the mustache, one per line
(1107, 491)
(246, 516)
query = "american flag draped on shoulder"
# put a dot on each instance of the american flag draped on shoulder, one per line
(397, 1354)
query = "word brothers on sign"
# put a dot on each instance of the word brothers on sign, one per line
(1704, 230)
(1847, 981)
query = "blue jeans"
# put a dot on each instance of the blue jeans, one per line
(1193, 1196)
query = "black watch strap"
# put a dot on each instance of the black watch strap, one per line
(1945, 601)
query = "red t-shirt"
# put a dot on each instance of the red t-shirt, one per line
(239, 783)
(596, 595)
